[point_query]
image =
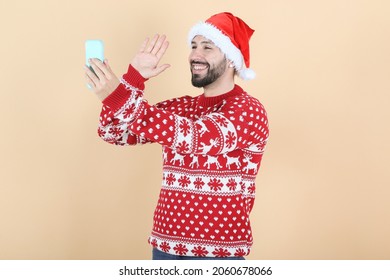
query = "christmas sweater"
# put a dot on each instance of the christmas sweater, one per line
(212, 149)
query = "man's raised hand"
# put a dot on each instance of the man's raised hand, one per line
(147, 59)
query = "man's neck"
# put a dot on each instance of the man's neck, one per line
(218, 88)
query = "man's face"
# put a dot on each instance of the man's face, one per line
(207, 62)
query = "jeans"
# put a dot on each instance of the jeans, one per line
(159, 255)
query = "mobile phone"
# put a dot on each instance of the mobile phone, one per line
(94, 49)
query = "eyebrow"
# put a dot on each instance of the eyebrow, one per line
(204, 42)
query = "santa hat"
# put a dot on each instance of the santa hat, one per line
(231, 35)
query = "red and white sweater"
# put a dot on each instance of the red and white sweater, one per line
(212, 149)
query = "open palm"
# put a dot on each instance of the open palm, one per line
(147, 60)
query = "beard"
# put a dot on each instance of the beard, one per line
(211, 76)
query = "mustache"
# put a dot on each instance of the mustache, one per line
(198, 62)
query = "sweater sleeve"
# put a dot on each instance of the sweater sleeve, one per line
(116, 112)
(239, 124)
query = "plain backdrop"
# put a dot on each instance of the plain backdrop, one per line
(323, 70)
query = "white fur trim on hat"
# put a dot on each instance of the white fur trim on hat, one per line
(247, 74)
(223, 42)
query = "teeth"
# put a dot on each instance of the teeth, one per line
(199, 67)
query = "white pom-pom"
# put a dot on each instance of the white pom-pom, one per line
(247, 74)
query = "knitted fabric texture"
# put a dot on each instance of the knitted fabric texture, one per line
(212, 150)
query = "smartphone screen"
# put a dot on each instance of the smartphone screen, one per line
(94, 49)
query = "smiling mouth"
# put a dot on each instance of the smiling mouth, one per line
(199, 66)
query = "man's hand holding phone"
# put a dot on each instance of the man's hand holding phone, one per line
(98, 74)
(102, 79)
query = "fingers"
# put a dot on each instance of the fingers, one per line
(150, 46)
(161, 69)
(97, 72)
(100, 68)
(90, 77)
(162, 49)
(144, 44)
(108, 66)
(101, 79)
(157, 46)
(160, 46)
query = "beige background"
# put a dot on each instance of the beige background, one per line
(323, 74)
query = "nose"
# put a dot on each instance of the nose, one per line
(192, 56)
(195, 54)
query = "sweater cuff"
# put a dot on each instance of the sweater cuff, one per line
(120, 95)
(117, 98)
(134, 78)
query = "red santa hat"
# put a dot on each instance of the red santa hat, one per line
(231, 35)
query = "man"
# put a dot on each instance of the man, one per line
(212, 144)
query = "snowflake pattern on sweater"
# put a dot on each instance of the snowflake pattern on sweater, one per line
(212, 150)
